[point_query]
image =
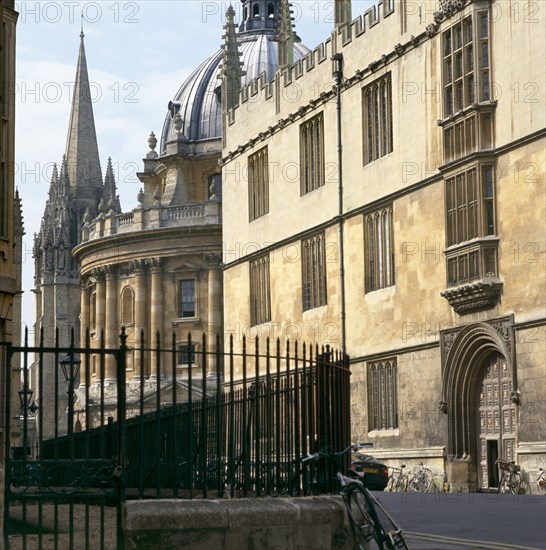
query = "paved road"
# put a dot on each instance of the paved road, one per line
(438, 521)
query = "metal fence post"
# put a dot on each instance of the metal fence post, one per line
(122, 451)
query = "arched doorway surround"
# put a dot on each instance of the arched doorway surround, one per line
(469, 354)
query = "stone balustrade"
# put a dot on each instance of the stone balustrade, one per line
(155, 217)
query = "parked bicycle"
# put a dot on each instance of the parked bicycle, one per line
(512, 480)
(421, 481)
(541, 481)
(371, 524)
(398, 480)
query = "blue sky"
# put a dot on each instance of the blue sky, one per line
(138, 55)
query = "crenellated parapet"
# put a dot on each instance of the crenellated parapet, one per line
(369, 44)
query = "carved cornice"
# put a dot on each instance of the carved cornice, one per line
(137, 267)
(213, 260)
(98, 274)
(475, 296)
(155, 264)
(449, 8)
(432, 29)
(85, 283)
(110, 272)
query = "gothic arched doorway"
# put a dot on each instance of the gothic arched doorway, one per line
(479, 388)
(496, 419)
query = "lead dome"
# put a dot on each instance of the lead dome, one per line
(197, 100)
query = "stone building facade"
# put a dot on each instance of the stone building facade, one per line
(76, 189)
(377, 198)
(156, 269)
(11, 223)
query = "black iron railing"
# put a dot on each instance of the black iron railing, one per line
(201, 423)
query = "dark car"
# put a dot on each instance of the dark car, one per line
(376, 474)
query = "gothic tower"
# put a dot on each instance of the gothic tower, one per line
(77, 188)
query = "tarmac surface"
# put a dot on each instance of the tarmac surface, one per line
(451, 521)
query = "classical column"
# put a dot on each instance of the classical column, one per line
(100, 317)
(112, 320)
(100, 304)
(156, 314)
(139, 268)
(84, 325)
(214, 309)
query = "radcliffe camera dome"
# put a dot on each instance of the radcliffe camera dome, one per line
(196, 100)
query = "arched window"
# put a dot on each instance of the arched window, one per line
(256, 10)
(271, 10)
(127, 306)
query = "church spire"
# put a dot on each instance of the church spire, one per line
(230, 70)
(64, 179)
(110, 189)
(82, 153)
(285, 34)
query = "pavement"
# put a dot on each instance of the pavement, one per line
(453, 521)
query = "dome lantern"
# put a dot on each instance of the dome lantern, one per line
(198, 102)
(259, 15)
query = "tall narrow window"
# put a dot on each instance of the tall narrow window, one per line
(379, 249)
(127, 306)
(4, 155)
(187, 298)
(260, 292)
(377, 119)
(313, 272)
(468, 112)
(470, 222)
(312, 154)
(92, 310)
(258, 184)
(465, 49)
(382, 395)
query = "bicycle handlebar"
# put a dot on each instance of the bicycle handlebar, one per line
(324, 454)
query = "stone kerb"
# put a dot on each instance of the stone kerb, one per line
(273, 523)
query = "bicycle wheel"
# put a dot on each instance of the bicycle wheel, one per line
(426, 480)
(401, 484)
(391, 533)
(524, 488)
(504, 486)
(541, 485)
(364, 525)
(390, 485)
(414, 484)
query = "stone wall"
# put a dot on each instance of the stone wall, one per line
(272, 523)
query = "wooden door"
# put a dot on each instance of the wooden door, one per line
(497, 420)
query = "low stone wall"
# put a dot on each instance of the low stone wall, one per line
(267, 523)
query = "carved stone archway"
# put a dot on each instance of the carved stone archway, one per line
(464, 351)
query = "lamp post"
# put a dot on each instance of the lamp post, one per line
(25, 397)
(70, 365)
